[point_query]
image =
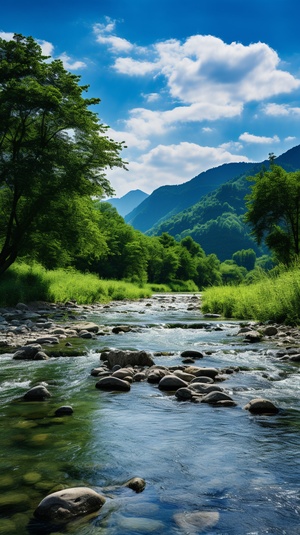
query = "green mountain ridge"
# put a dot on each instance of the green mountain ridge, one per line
(168, 201)
(216, 222)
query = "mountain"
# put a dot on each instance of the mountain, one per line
(128, 202)
(216, 222)
(167, 201)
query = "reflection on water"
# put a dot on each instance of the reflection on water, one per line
(207, 470)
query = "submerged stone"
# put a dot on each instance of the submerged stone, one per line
(65, 505)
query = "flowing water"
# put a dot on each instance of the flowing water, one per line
(207, 470)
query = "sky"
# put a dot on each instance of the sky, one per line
(187, 84)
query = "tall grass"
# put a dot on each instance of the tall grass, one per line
(23, 283)
(274, 297)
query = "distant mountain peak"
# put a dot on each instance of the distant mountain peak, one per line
(128, 202)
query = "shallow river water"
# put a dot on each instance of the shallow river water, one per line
(207, 470)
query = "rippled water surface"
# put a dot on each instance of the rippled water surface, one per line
(207, 469)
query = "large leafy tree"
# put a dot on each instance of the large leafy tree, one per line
(274, 211)
(53, 152)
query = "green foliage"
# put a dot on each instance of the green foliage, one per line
(24, 283)
(216, 221)
(53, 154)
(231, 273)
(245, 258)
(273, 297)
(274, 211)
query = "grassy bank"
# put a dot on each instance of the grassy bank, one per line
(23, 283)
(273, 297)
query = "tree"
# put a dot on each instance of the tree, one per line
(53, 150)
(274, 211)
(245, 258)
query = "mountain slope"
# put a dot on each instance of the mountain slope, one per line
(128, 202)
(167, 201)
(216, 221)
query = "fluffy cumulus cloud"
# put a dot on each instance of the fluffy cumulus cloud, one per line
(169, 164)
(206, 78)
(281, 110)
(263, 140)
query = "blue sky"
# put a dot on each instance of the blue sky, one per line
(188, 84)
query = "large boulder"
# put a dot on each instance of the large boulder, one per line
(261, 406)
(171, 383)
(37, 393)
(65, 505)
(30, 352)
(113, 384)
(127, 358)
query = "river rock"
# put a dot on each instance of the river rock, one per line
(112, 384)
(261, 406)
(88, 326)
(201, 379)
(64, 410)
(183, 375)
(127, 358)
(252, 337)
(27, 352)
(136, 483)
(204, 388)
(37, 393)
(206, 372)
(47, 340)
(189, 353)
(171, 383)
(139, 376)
(121, 329)
(65, 505)
(270, 331)
(196, 522)
(215, 396)
(123, 372)
(184, 394)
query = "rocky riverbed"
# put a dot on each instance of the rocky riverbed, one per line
(50, 325)
(184, 378)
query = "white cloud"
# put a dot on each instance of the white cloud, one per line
(290, 138)
(169, 164)
(104, 36)
(207, 129)
(7, 36)
(150, 122)
(151, 97)
(131, 140)
(281, 110)
(206, 77)
(250, 138)
(205, 69)
(232, 145)
(71, 65)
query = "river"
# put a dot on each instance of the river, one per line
(207, 469)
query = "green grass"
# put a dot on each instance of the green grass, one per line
(23, 283)
(274, 297)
